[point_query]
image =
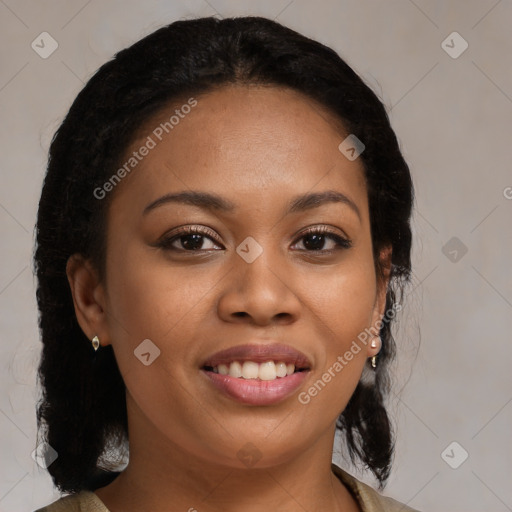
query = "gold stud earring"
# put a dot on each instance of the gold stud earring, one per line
(95, 343)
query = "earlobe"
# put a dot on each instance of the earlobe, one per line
(380, 302)
(88, 297)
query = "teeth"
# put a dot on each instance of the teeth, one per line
(235, 369)
(249, 370)
(269, 370)
(281, 370)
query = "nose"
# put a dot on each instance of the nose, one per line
(262, 292)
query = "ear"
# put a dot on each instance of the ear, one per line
(382, 287)
(88, 297)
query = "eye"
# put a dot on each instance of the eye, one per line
(314, 240)
(191, 239)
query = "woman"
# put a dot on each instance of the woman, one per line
(222, 236)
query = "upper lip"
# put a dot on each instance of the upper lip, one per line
(259, 354)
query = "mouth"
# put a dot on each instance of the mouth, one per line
(257, 374)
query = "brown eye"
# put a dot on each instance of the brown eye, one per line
(190, 238)
(315, 239)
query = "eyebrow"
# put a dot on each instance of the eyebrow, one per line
(215, 202)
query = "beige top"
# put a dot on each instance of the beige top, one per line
(369, 500)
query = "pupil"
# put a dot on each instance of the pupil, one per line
(197, 244)
(317, 244)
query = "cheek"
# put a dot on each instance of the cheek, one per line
(152, 299)
(162, 304)
(342, 300)
(342, 308)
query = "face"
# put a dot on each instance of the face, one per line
(249, 277)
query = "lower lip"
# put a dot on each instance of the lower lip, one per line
(255, 391)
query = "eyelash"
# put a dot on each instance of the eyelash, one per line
(341, 242)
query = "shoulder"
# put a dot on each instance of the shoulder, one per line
(368, 498)
(84, 501)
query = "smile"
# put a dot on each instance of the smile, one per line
(257, 374)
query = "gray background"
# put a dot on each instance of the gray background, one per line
(453, 119)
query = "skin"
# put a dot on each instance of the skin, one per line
(258, 147)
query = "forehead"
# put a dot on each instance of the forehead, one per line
(241, 141)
